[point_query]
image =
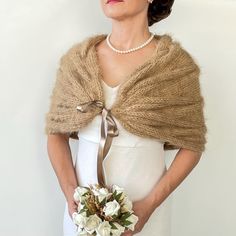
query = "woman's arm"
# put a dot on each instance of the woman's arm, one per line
(185, 160)
(60, 156)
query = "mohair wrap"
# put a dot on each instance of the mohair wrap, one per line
(160, 99)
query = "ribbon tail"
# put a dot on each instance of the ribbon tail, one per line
(105, 143)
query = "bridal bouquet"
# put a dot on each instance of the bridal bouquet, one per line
(103, 211)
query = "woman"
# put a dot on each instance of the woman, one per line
(147, 181)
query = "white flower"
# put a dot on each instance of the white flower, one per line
(120, 229)
(92, 223)
(127, 205)
(134, 219)
(111, 208)
(101, 193)
(80, 206)
(79, 219)
(79, 192)
(82, 232)
(103, 229)
(119, 190)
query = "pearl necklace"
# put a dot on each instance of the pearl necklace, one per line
(131, 49)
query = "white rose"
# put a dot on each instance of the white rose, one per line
(103, 229)
(117, 232)
(127, 205)
(119, 190)
(101, 193)
(79, 219)
(92, 223)
(79, 192)
(82, 232)
(111, 208)
(80, 206)
(134, 219)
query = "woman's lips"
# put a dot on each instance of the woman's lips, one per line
(114, 1)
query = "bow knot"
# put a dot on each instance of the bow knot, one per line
(83, 107)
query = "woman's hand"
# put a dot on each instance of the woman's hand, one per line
(72, 203)
(143, 209)
(72, 207)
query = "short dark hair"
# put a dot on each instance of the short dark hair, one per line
(158, 10)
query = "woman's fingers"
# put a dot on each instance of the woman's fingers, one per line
(127, 233)
(72, 207)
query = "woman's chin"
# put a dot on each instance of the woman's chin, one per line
(116, 15)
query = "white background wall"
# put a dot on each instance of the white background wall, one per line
(33, 35)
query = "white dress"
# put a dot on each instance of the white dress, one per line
(133, 162)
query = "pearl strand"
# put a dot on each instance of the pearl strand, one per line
(131, 49)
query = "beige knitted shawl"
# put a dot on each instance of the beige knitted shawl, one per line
(160, 99)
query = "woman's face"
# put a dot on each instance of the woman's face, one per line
(122, 9)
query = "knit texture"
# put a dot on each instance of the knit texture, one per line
(160, 99)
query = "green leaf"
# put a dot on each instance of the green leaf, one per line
(115, 216)
(127, 222)
(125, 215)
(88, 213)
(103, 201)
(114, 193)
(113, 225)
(82, 210)
(118, 197)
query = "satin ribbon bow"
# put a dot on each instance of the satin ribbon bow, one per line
(108, 131)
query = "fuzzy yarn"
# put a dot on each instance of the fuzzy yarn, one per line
(160, 99)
